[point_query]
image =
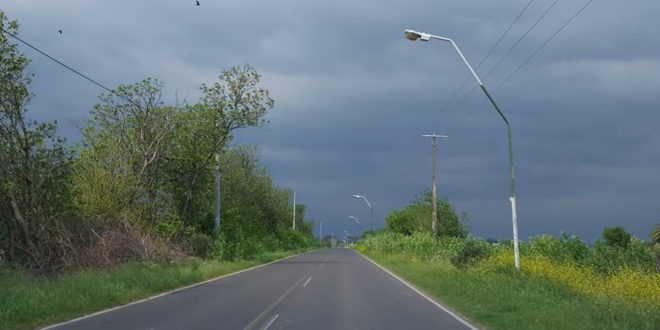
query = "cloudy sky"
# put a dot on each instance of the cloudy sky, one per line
(353, 97)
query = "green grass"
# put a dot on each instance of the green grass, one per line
(510, 299)
(26, 301)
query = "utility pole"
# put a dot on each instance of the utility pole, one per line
(294, 210)
(321, 231)
(434, 188)
(217, 193)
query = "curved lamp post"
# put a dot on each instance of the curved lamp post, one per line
(371, 209)
(357, 221)
(354, 219)
(414, 35)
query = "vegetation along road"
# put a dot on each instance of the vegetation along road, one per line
(323, 289)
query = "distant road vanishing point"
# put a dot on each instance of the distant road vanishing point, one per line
(323, 289)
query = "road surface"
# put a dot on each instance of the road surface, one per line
(323, 289)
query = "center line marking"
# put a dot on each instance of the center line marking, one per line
(270, 322)
(268, 309)
(307, 282)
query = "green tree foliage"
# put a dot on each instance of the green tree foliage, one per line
(472, 251)
(416, 217)
(655, 234)
(616, 237)
(655, 244)
(140, 184)
(256, 213)
(234, 101)
(566, 249)
(34, 167)
(126, 148)
(602, 256)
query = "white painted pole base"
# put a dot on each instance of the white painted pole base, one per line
(515, 231)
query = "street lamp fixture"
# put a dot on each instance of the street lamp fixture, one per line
(354, 219)
(371, 209)
(415, 35)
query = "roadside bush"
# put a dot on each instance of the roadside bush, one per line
(251, 247)
(449, 247)
(616, 237)
(607, 258)
(566, 249)
(386, 242)
(419, 244)
(201, 244)
(473, 250)
(416, 217)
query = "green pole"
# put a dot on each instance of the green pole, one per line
(511, 175)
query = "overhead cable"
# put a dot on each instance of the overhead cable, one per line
(69, 68)
(490, 51)
(523, 36)
(545, 43)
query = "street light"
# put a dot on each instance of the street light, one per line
(357, 221)
(354, 219)
(371, 209)
(293, 221)
(414, 35)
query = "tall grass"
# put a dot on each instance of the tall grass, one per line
(628, 285)
(27, 301)
(508, 299)
(561, 283)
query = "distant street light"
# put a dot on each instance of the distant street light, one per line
(294, 210)
(371, 209)
(357, 221)
(434, 182)
(414, 35)
(354, 219)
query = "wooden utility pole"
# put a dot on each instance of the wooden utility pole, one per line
(434, 189)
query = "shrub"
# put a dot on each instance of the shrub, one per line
(473, 250)
(200, 244)
(566, 249)
(416, 217)
(616, 237)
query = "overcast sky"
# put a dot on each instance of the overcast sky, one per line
(353, 97)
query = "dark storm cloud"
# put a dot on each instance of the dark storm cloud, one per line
(353, 97)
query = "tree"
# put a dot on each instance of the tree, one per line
(34, 165)
(417, 217)
(655, 234)
(655, 244)
(204, 129)
(616, 237)
(127, 142)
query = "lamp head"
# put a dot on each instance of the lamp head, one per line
(357, 196)
(414, 35)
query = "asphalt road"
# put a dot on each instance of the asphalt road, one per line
(324, 289)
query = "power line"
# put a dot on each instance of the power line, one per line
(69, 68)
(521, 39)
(490, 51)
(545, 43)
(523, 36)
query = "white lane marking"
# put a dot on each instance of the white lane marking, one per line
(272, 319)
(307, 282)
(431, 300)
(169, 292)
(274, 304)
